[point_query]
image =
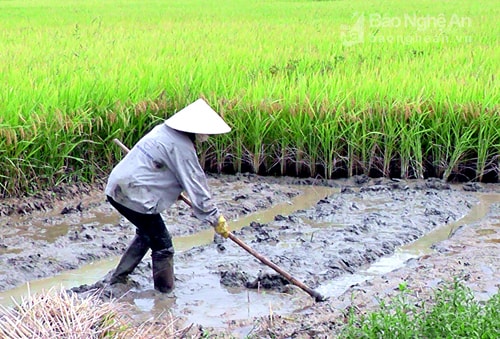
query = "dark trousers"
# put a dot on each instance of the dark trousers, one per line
(148, 226)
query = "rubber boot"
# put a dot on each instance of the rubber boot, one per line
(163, 270)
(130, 259)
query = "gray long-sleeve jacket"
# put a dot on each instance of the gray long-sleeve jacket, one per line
(157, 169)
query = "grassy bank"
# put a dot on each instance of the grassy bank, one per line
(330, 88)
(453, 312)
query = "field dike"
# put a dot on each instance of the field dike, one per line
(353, 240)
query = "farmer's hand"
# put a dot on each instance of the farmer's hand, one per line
(221, 227)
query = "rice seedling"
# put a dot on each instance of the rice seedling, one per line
(391, 129)
(253, 130)
(413, 135)
(488, 142)
(363, 135)
(217, 152)
(282, 142)
(329, 142)
(461, 141)
(300, 128)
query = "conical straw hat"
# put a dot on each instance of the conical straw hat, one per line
(198, 118)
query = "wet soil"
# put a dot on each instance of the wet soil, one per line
(354, 225)
(67, 227)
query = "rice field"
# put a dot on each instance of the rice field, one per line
(311, 88)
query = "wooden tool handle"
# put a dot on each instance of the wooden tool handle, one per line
(317, 296)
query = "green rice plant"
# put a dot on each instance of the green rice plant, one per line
(324, 137)
(462, 142)
(488, 141)
(281, 147)
(439, 141)
(451, 140)
(301, 128)
(253, 129)
(227, 149)
(355, 141)
(413, 134)
(391, 130)
(363, 136)
(216, 150)
(497, 153)
(310, 140)
(330, 141)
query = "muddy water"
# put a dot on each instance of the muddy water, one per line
(415, 249)
(423, 245)
(51, 233)
(324, 238)
(90, 273)
(200, 297)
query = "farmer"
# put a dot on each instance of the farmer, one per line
(149, 180)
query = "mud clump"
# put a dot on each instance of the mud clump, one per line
(49, 199)
(234, 279)
(264, 280)
(269, 281)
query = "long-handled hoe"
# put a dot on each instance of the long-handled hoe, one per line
(316, 295)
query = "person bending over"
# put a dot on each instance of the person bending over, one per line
(150, 178)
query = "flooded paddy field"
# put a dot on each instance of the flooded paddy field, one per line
(352, 240)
